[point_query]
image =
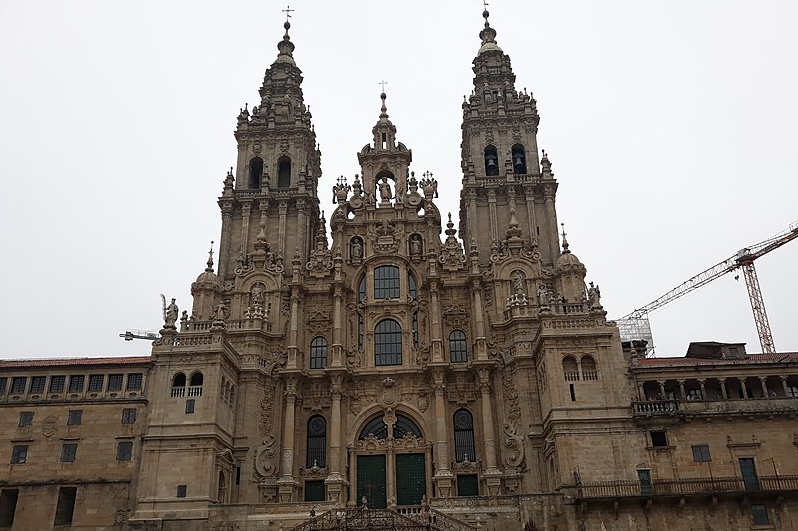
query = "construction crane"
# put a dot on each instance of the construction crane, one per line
(130, 335)
(636, 326)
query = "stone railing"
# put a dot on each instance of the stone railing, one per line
(715, 407)
(407, 518)
(656, 407)
(685, 487)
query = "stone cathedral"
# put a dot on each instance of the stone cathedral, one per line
(382, 369)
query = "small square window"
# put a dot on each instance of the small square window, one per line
(76, 383)
(124, 451)
(57, 384)
(181, 491)
(114, 382)
(75, 417)
(701, 453)
(658, 438)
(190, 405)
(18, 385)
(19, 454)
(134, 381)
(129, 415)
(37, 384)
(759, 514)
(69, 452)
(25, 418)
(96, 382)
(694, 394)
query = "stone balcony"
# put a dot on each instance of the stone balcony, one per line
(700, 408)
(685, 487)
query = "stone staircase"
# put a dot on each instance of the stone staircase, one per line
(421, 518)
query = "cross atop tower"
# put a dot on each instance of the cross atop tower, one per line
(288, 12)
(382, 84)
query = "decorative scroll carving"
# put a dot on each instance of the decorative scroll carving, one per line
(319, 322)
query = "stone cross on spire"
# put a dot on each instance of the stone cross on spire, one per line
(382, 84)
(288, 12)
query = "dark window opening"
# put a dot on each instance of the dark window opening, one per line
(129, 415)
(8, 506)
(190, 405)
(361, 290)
(114, 382)
(75, 417)
(124, 451)
(701, 453)
(386, 282)
(317, 442)
(405, 426)
(182, 490)
(66, 506)
(25, 419)
(69, 452)
(458, 351)
(415, 329)
(134, 381)
(759, 514)
(96, 382)
(491, 161)
(37, 384)
(360, 331)
(467, 485)
(388, 343)
(76, 383)
(464, 447)
(384, 140)
(411, 286)
(314, 491)
(375, 427)
(573, 392)
(255, 172)
(519, 159)
(18, 385)
(19, 454)
(3, 385)
(318, 353)
(658, 438)
(283, 172)
(196, 380)
(179, 380)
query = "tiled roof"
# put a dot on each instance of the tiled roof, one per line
(779, 357)
(73, 362)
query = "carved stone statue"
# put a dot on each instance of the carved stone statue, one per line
(356, 251)
(519, 283)
(543, 295)
(220, 312)
(170, 314)
(385, 190)
(415, 245)
(594, 296)
(256, 298)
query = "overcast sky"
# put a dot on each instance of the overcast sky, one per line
(671, 127)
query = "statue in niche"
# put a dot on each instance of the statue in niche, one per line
(356, 249)
(543, 295)
(256, 298)
(415, 245)
(385, 190)
(220, 312)
(594, 296)
(519, 283)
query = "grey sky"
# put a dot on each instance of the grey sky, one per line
(671, 127)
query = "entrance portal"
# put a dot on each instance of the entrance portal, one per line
(411, 480)
(371, 481)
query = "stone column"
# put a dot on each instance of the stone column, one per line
(481, 341)
(723, 391)
(492, 473)
(641, 392)
(743, 387)
(763, 383)
(701, 384)
(681, 390)
(662, 389)
(551, 217)
(224, 244)
(287, 485)
(494, 230)
(435, 322)
(529, 193)
(443, 476)
(282, 209)
(335, 482)
(337, 341)
(784, 386)
(246, 210)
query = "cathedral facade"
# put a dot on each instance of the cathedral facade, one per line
(377, 364)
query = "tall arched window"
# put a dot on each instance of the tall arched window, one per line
(179, 385)
(255, 172)
(386, 282)
(519, 159)
(375, 427)
(283, 172)
(221, 495)
(570, 369)
(195, 384)
(405, 426)
(388, 343)
(318, 353)
(589, 371)
(361, 290)
(464, 448)
(491, 161)
(458, 351)
(317, 442)
(411, 286)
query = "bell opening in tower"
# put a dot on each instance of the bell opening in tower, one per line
(255, 172)
(283, 172)
(519, 159)
(491, 161)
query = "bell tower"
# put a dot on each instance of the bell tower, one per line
(271, 204)
(505, 183)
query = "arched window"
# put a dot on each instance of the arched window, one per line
(519, 159)
(491, 161)
(222, 492)
(388, 343)
(317, 442)
(405, 426)
(361, 290)
(375, 427)
(570, 369)
(195, 384)
(283, 172)
(386, 282)
(458, 351)
(464, 448)
(318, 353)
(179, 385)
(411, 286)
(255, 172)
(415, 329)
(589, 371)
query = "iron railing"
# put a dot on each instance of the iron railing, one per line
(686, 486)
(412, 518)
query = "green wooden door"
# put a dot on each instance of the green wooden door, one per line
(644, 476)
(371, 481)
(748, 471)
(411, 479)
